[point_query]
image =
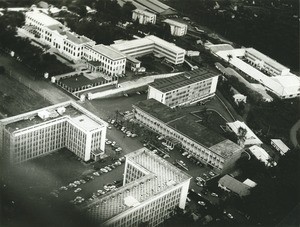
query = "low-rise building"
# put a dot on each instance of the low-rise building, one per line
(143, 16)
(262, 155)
(183, 89)
(272, 75)
(177, 28)
(248, 138)
(39, 132)
(152, 189)
(202, 143)
(233, 185)
(151, 44)
(238, 97)
(280, 146)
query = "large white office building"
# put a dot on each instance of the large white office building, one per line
(39, 132)
(184, 89)
(268, 72)
(151, 44)
(76, 47)
(151, 190)
(51, 32)
(202, 143)
(143, 16)
(105, 59)
(177, 28)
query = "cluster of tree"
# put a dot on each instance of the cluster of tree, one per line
(274, 119)
(29, 54)
(277, 191)
(269, 29)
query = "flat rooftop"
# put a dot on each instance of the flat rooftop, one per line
(266, 58)
(184, 124)
(144, 12)
(80, 80)
(146, 41)
(153, 5)
(159, 176)
(182, 80)
(43, 18)
(75, 113)
(73, 37)
(109, 52)
(175, 23)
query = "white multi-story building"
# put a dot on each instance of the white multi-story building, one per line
(152, 189)
(177, 28)
(269, 73)
(99, 57)
(105, 59)
(143, 16)
(151, 44)
(183, 89)
(199, 141)
(39, 132)
(56, 35)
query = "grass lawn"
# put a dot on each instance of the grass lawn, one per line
(153, 64)
(214, 121)
(16, 98)
(298, 137)
(79, 81)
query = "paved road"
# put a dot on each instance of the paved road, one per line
(293, 134)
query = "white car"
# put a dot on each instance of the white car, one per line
(108, 142)
(113, 121)
(184, 153)
(77, 190)
(201, 203)
(214, 194)
(134, 135)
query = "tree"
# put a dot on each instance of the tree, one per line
(2, 69)
(229, 56)
(241, 134)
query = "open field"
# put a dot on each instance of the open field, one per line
(15, 98)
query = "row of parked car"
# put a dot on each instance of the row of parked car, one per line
(122, 128)
(106, 188)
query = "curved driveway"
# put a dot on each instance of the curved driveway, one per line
(293, 134)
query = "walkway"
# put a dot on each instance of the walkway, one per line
(293, 134)
(129, 85)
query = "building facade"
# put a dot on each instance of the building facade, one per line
(199, 141)
(51, 32)
(105, 59)
(151, 44)
(177, 28)
(36, 133)
(273, 76)
(184, 89)
(143, 17)
(152, 189)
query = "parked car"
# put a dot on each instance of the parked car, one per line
(185, 153)
(201, 203)
(214, 194)
(77, 190)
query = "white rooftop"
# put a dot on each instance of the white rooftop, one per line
(260, 154)
(251, 138)
(109, 52)
(164, 43)
(280, 85)
(175, 23)
(266, 59)
(281, 145)
(130, 201)
(43, 18)
(86, 123)
(250, 183)
(144, 12)
(122, 45)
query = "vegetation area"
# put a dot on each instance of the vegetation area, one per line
(274, 120)
(15, 98)
(32, 56)
(277, 190)
(267, 25)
